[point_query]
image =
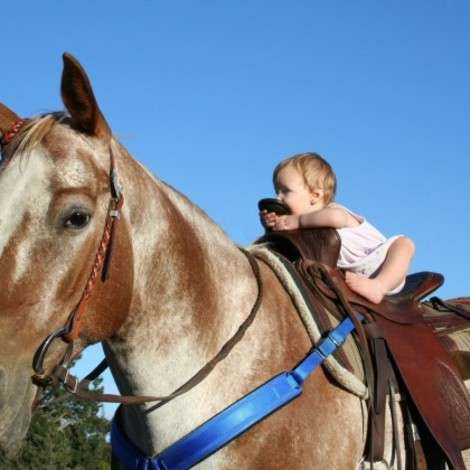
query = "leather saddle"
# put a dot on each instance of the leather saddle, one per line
(430, 375)
(323, 244)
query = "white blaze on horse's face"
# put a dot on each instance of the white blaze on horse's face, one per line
(54, 197)
(48, 201)
(52, 205)
(17, 187)
(53, 201)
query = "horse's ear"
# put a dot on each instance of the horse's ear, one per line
(80, 101)
(7, 119)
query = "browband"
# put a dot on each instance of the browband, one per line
(8, 136)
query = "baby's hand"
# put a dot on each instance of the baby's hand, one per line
(272, 221)
(286, 222)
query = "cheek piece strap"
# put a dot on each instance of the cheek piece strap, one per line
(70, 332)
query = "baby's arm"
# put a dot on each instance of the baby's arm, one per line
(333, 217)
(328, 217)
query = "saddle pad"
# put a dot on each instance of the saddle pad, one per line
(460, 339)
(353, 382)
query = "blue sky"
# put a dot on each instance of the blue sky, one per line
(210, 95)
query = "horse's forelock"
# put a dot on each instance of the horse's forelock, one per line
(32, 133)
(53, 133)
(30, 180)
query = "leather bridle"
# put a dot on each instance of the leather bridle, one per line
(70, 332)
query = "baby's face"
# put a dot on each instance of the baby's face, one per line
(292, 191)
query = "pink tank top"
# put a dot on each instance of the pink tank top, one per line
(357, 242)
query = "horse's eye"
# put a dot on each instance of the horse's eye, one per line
(77, 220)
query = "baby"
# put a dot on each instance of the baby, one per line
(375, 266)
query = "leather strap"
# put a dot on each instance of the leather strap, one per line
(80, 388)
(415, 451)
(103, 255)
(71, 331)
(452, 307)
(392, 393)
(384, 381)
(8, 136)
(234, 420)
(377, 415)
(326, 278)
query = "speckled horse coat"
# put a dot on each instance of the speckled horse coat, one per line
(178, 290)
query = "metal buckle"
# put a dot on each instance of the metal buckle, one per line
(116, 187)
(70, 388)
(413, 432)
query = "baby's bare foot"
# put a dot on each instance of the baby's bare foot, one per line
(369, 288)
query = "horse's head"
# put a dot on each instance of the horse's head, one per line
(55, 195)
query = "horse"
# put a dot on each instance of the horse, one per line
(177, 290)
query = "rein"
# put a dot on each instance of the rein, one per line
(70, 332)
(234, 420)
(80, 388)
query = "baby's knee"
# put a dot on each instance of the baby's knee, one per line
(406, 244)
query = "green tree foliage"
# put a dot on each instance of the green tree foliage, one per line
(65, 433)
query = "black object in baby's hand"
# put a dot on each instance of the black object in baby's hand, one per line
(273, 205)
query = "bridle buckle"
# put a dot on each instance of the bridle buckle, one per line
(70, 382)
(116, 187)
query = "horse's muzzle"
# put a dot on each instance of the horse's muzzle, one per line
(16, 397)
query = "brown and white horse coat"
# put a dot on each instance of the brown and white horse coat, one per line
(178, 290)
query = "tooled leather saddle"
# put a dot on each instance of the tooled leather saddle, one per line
(433, 376)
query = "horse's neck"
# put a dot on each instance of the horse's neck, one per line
(192, 290)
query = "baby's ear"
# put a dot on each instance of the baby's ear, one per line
(316, 194)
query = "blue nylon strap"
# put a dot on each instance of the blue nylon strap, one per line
(128, 454)
(335, 338)
(234, 420)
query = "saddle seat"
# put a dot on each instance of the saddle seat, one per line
(323, 244)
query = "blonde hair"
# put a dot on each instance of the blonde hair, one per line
(316, 173)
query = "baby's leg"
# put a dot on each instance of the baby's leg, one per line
(391, 273)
